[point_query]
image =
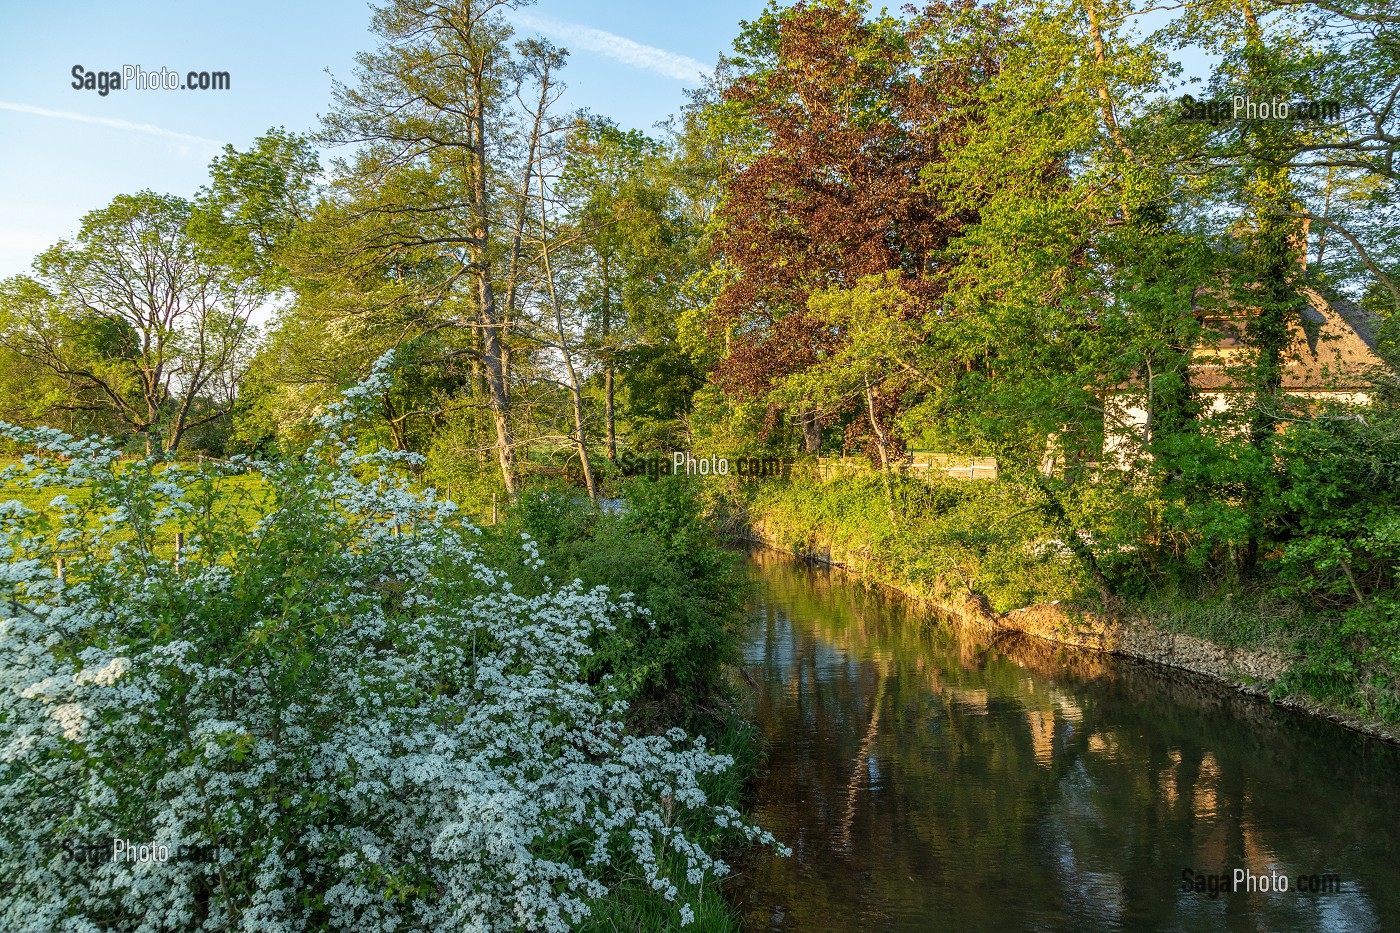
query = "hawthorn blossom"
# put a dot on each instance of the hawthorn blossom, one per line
(351, 720)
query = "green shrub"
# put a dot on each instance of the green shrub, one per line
(664, 549)
(352, 719)
(994, 538)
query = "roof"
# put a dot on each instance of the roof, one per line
(1332, 348)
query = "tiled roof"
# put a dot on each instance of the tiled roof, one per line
(1332, 348)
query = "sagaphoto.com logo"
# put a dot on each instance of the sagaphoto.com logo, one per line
(134, 77)
(1241, 107)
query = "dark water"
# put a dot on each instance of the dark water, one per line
(928, 782)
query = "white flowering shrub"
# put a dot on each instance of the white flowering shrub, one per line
(328, 710)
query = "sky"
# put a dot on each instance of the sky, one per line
(66, 151)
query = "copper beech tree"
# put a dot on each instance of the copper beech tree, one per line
(834, 117)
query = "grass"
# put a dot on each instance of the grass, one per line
(948, 535)
(241, 498)
(1245, 619)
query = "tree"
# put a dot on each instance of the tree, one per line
(552, 249)
(255, 201)
(834, 120)
(30, 392)
(442, 181)
(621, 203)
(137, 319)
(1348, 168)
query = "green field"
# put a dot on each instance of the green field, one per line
(240, 498)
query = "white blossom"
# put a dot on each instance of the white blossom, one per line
(398, 741)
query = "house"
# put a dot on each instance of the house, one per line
(1331, 357)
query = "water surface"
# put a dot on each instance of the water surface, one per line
(926, 781)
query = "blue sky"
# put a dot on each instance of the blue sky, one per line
(69, 151)
(630, 60)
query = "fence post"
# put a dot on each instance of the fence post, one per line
(179, 549)
(493, 509)
(61, 569)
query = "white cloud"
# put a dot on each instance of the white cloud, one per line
(127, 125)
(610, 45)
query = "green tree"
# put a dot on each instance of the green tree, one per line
(440, 188)
(621, 200)
(254, 202)
(1348, 169)
(140, 323)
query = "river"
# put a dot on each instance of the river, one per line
(928, 781)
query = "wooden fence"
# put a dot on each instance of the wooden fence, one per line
(928, 464)
(923, 465)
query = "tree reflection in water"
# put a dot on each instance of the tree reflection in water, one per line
(928, 781)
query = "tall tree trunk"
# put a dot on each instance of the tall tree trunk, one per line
(882, 442)
(493, 353)
(522, 211)
(1053, 509)
(1170, 408)
(497, 385)
(609, 376)
(1268, 330)
(575, 390)
(811, 430)
(1110, 118)
(1270, 262)
(609, 402)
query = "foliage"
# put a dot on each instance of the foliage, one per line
(1092, 243)
(949, 539)
(255, 201)
(835, 115)
(660, 546)
(1340, 515)
(136, 319)
(623, 200)
(349, 718)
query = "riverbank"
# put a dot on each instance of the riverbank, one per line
(673, 662)
(1134, 629)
